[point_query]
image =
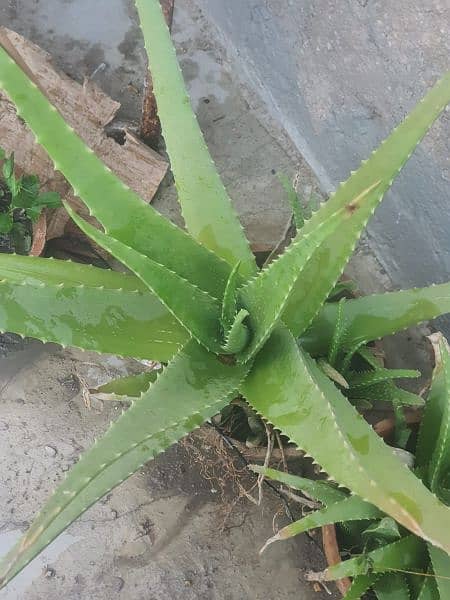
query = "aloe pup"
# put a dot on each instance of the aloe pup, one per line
(196, 300)
(386, 557)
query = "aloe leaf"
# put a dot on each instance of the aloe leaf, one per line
(193, 388)
(383, 165)
(322, 491)
(386, 530)
(349, 509)
(338, 334)
(441, 569)
(387, 392)
(370, 378)
(291, 392)
(229, 307)
(428, 589)
(238, 335)
(266, 295)
(37, 270)
(93, 309)
(196, 310)
(294, 201)
(373, 317)
(332, 373)
(122, 213)
(433, 445)
(405, 554)
(392, 586)
(360, 585)
(206, 207)
(131, 386)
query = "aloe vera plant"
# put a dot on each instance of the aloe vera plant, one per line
(386, 557)
(197, 301)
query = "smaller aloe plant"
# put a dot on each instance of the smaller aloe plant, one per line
(358, 373)
(196, 300)
(385, 556)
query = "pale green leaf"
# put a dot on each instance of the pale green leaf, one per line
(266, 295)
(372, 317)
(121, 212)
(196, 310)
(93, 309)
(206, 207)
(292, 393)
(193, 388)
(322, 491)
(349, 509)
(392, 586)
(441, 570)
(130, 386)
(383, 165)
(405, 554)
(360, 585)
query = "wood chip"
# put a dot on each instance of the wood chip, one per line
(88, 110)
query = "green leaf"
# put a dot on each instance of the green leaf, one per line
(338, 334)
(441, 568)
(405, 554)
(229, 307)
(428, 589)
(322, 491)
(8, 168)
(392, 586)
(387, 392)
(370, 378)
(237, 337)
(383, 165)
(121, 212)
(373, 317)
(131, 386)
(2, 154)
(294, 201)
(193, 388)
(332, 373)
(21, 238)
(360, 585)
(33, 213)
(292, 393)
(347, 287)
(48, 200)
(386, 530)
(27, 191)
(93, 309)
(206, 207)
(196, 310)
(433, 446)
(349, 509)
(266, 295)
(6, 222)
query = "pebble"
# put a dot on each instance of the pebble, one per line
(50, 451)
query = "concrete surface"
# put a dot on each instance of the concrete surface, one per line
(167, 532)
(338, 75)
